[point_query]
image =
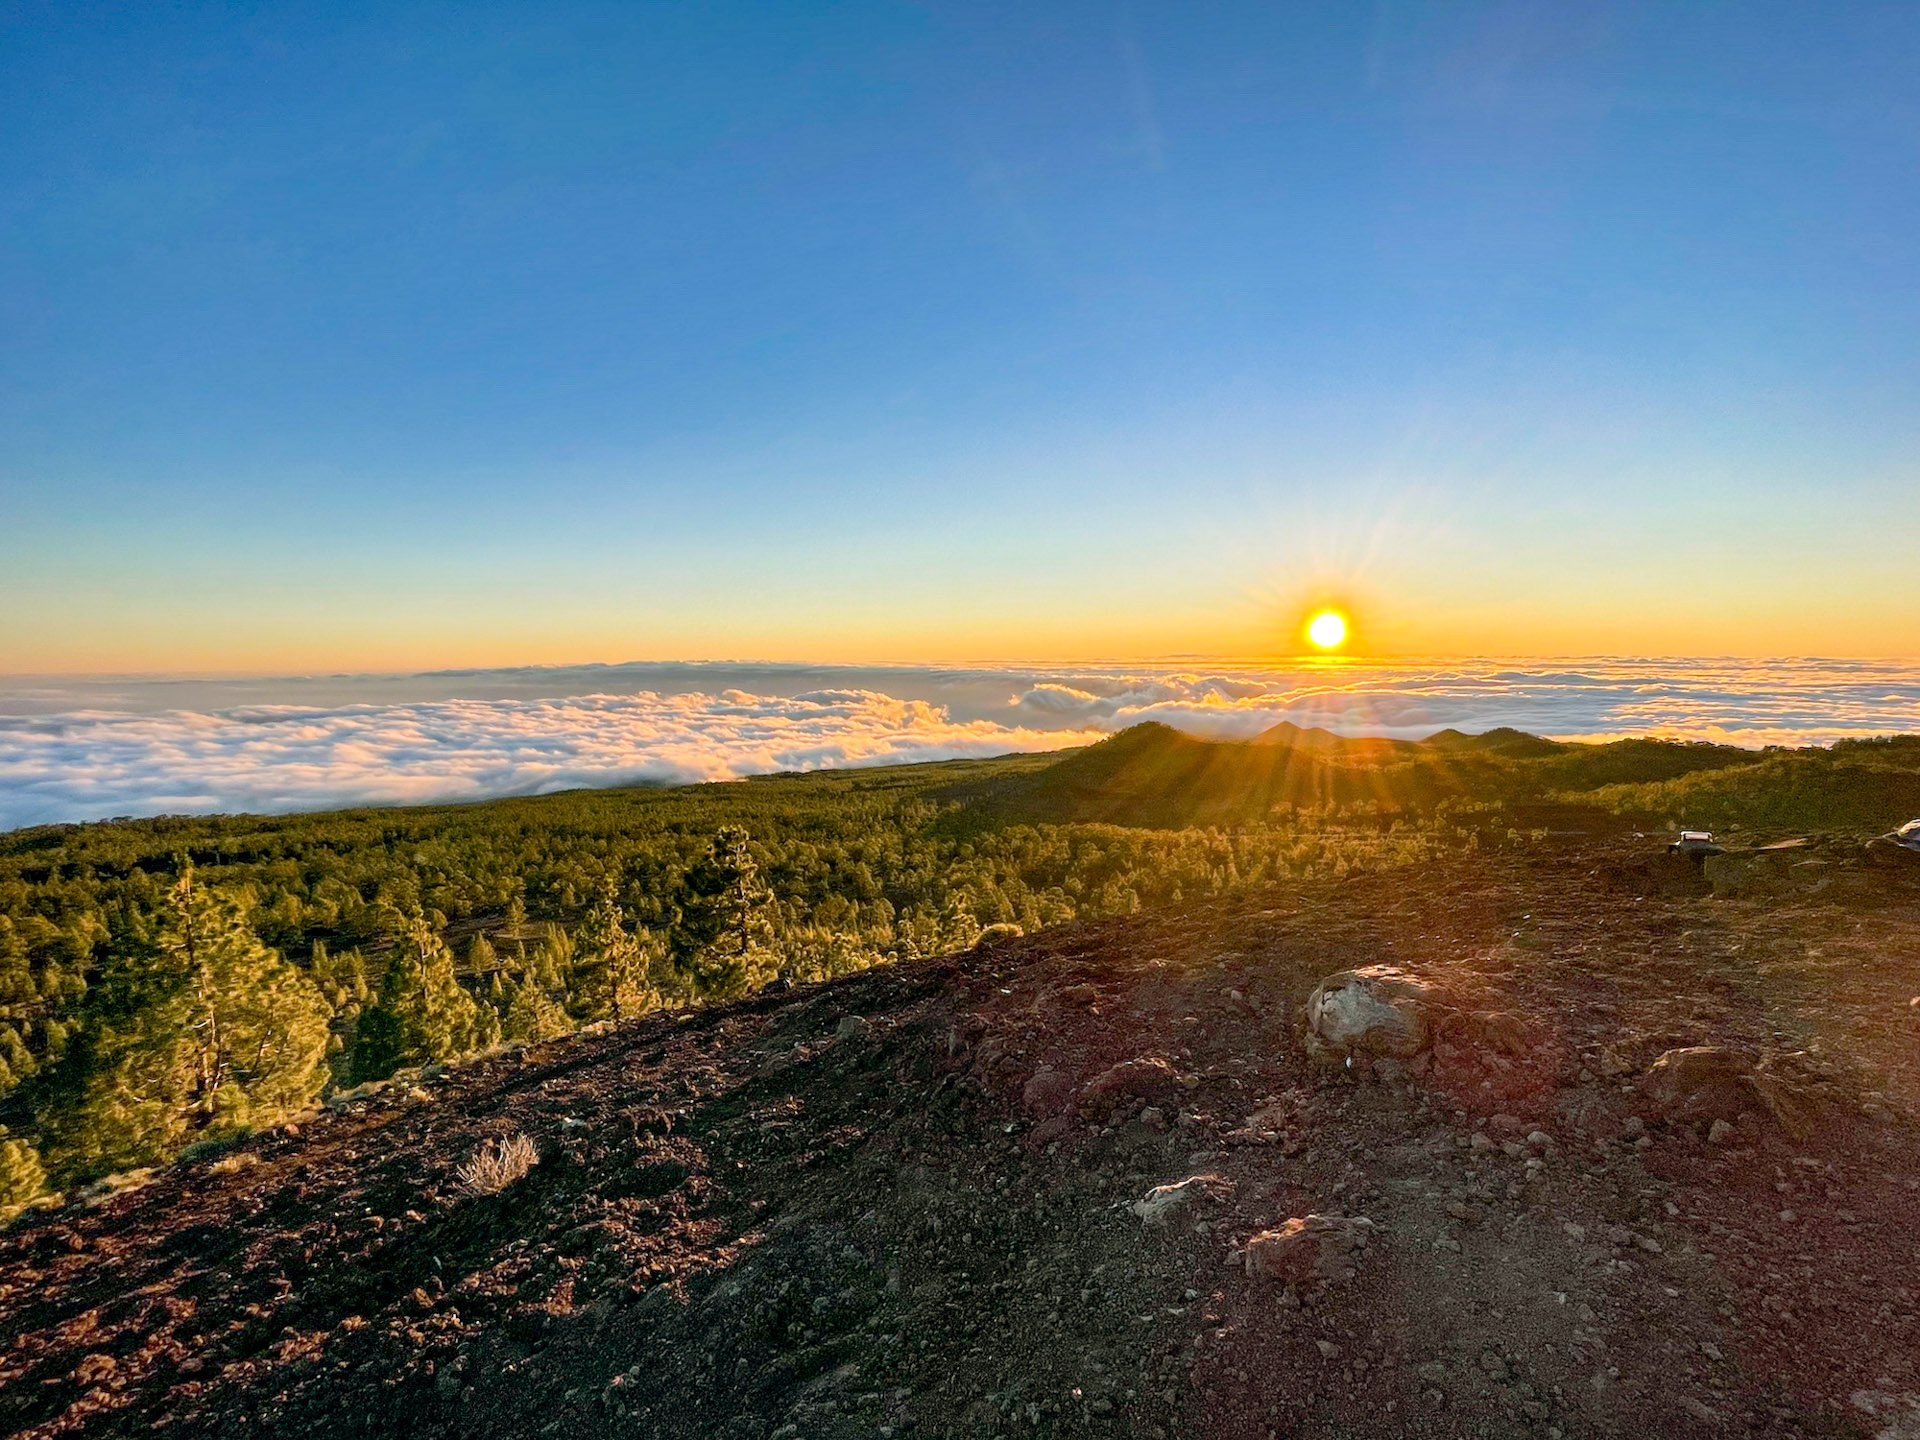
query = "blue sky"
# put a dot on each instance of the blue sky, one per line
(404, 335)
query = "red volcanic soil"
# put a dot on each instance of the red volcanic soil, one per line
(900, 1204)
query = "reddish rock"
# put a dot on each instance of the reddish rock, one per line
(1309, 1249)
(1710, 1082)
(1149, 1078)
(1047, 1094)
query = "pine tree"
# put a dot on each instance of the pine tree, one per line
(722, 927)
(608, 967)
(213, 1033)
(481, 960)
(422, 1012)
(532, 1015)
(22, 1178)
(16, 1061)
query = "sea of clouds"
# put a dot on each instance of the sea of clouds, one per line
(104, 746)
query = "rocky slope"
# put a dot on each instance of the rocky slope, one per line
(929, 1200)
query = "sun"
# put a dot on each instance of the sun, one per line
(1327, 629)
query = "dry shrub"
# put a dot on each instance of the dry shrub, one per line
(497, 1165)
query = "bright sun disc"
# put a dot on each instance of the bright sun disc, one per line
(1328, 629)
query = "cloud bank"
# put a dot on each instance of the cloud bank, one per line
(275, 759)
(131, 747)
(1737, 702)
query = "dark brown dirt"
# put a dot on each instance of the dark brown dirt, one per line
(898, 1204)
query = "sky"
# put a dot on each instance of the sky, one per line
(400, 336)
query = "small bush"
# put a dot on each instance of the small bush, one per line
(497, 1165)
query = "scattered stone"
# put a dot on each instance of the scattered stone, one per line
(1698, 1410)
(853, 1027)
(1895, 1416)
(1720, 1133)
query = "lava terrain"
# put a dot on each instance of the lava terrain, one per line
(927, 1199)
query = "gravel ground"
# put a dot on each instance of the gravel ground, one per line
(905, 1203)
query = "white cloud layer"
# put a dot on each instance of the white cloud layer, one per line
(280, 758)
(77, 750)
(1797, 702)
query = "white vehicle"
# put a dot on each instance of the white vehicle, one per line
(1695, 842)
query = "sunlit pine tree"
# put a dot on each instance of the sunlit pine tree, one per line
(221, 1034)
(22, 1178)
(609, 970)
(722, 932)
(422, 1012)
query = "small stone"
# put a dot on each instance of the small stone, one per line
(1788, 1216)
(1163, 1202)
(852, 1027)
(1328, 1350)
(1720, 1133)
(1480, 1143)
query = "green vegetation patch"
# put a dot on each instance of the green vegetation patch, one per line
(173, 982)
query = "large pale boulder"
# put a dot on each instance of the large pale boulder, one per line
(1309, 1249)
(1375, 1010)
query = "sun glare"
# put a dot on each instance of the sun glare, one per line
(1328, 630)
